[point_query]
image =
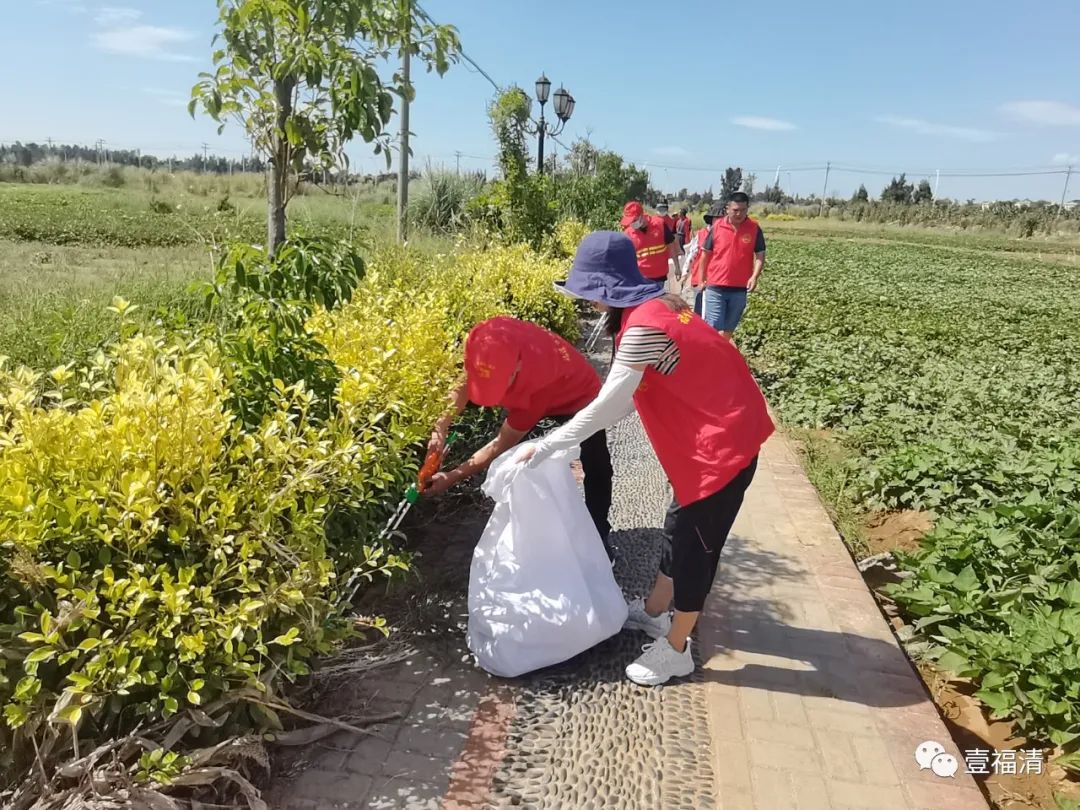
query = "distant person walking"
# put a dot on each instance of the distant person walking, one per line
(693, 250)
(654, 242)
(730, 265)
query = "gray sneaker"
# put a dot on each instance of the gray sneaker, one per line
(638, 619)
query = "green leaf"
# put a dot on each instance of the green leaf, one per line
(41, 654)
(952, 662)
(70, 714)
(999, 701)
(966, 581)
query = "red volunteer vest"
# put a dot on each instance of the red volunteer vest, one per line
(732, 261)
(694, 274)
(652, 252)
(707, 419)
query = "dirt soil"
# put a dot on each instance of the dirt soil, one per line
(889, 531)
(969, 723)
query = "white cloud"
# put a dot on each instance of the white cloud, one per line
(670, 151)
(757, 122)
(110, 16)
(1066, 159)
(946, 130)
(170, 98)
(144, 41)
(1048, 113)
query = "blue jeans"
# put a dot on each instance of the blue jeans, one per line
(723, 308)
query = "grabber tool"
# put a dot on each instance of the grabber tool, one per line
(432, 463)
(595, 336)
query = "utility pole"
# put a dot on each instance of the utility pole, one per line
(457, 158)
(205, 149)
(100, 144)
(937, 181)
(403, 164)
(1064, 191)
(824, 191)
(776, 179)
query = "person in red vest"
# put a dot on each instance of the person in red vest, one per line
(692, 253)
(704, 416)
(683, 228)
(654, 242)
(662, 212)
(731, 262)
(533, 374)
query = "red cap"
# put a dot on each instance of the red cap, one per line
(631, 213)
(491, 358)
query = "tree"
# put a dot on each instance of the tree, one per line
(898, 191)
(730, 183)
(301, 77)
(774, 194)
(583, 156)
(861, 195)
(748, 184)
(923, 193)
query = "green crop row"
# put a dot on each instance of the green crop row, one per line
(953, 378)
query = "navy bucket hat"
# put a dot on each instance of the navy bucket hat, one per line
(605, 271)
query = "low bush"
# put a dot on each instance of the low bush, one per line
(166, 557)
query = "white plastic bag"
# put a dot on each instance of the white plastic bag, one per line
(541, 588)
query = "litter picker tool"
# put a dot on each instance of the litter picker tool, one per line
(432, 463)
(596, 332)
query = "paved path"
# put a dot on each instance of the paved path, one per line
(803, 700)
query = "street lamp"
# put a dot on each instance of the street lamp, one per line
(564, 108)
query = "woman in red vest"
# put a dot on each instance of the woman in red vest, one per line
(654, 242)
(705, 418)
(534, 374)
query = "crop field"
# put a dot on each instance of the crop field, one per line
(949, 381)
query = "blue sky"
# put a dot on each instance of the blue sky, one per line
(959, 86)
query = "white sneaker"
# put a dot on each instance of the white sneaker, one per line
(659, 663)
(638, 619)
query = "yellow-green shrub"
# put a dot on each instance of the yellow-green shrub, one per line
(567, 236)
(156, 553)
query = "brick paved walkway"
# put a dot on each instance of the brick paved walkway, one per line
(811, 702)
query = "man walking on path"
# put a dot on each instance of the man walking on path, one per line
(689, 267)
(730, 265)
(684, 228)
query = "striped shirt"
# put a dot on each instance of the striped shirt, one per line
(647, 345)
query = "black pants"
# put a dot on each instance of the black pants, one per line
(695, 534)
(597, 470)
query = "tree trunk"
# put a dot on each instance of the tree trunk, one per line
(279, 170)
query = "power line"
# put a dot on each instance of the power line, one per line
(499, 88)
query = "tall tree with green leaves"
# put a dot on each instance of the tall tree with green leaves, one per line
(301, 77)
(898, 191)
(923, 193)
(862, 195)
(730, 183)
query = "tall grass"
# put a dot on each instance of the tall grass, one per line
(438, 202)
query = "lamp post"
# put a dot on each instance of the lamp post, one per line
(564, 108)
